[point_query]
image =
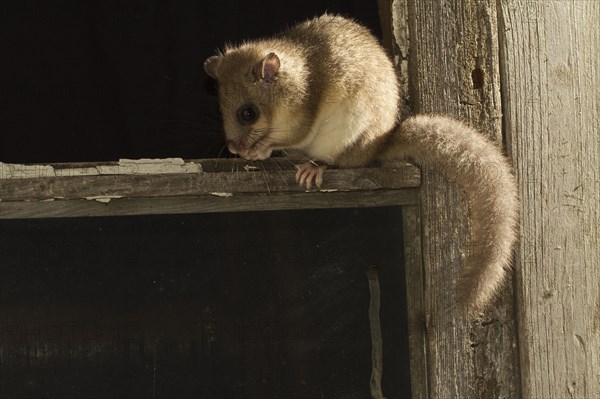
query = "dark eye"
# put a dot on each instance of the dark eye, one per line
(247, 114)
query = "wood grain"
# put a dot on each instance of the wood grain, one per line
(415, 300)
(454, 70)
(222, 186)
(207, 204)
(551, 87)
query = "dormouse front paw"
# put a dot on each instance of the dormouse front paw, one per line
(310, 172)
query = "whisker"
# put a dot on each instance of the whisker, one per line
(221, 151)
(266, 177)
(280, 170)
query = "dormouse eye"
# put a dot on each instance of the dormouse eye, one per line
(247, 114)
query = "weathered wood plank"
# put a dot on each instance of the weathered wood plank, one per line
(551, 86)
(128, 188)
(70, 184)
(207, 204)
(415, 300)
(385, 20)
(454, 69)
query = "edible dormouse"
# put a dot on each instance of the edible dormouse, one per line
(327, 88)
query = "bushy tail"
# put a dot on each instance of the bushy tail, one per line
(484, 174)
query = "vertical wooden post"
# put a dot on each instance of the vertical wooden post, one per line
(551, 89)
(454, 70)
(385, 19)
(413, 266)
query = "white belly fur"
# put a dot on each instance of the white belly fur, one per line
(337, 126)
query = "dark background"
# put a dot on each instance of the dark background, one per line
(246, 305)
(99, 80)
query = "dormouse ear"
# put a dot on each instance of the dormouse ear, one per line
(266, 70)
(212, 64)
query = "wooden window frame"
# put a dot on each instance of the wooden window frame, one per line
(175, 186)
(527, 75)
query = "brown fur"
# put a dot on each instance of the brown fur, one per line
(485, 176)
(330, 91)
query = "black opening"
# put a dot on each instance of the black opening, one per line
(103, 80)
(248, 305)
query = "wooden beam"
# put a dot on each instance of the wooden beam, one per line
(454, 70)
(551, 86)
(415, 301)
(174, 186)
(207, 204)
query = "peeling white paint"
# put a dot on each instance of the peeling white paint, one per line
(18, 171)
(224, 195)
(143, 166)
(105, 199)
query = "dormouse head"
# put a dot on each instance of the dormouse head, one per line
(255, 99)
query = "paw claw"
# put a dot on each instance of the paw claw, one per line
(308, 173)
